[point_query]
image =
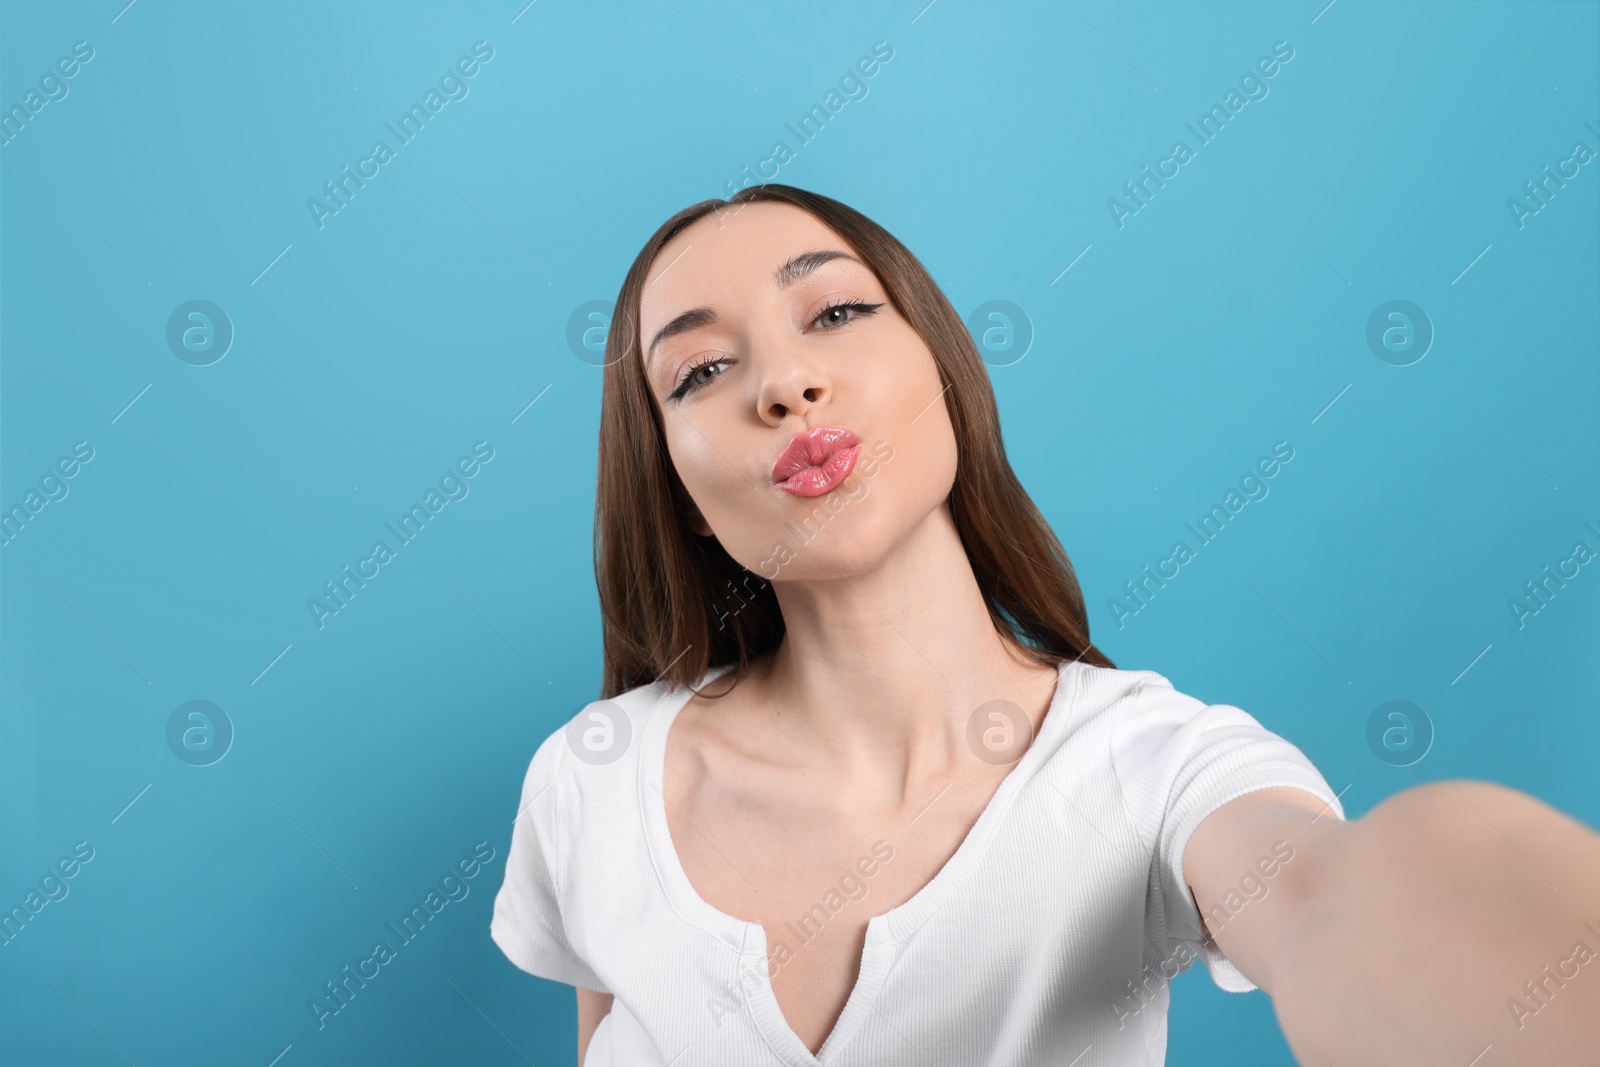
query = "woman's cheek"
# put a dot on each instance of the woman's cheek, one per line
(729, 504)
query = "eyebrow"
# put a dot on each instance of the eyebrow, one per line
(796, 268)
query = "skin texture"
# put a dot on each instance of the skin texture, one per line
(1393, 939)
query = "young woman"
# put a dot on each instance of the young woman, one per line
(861, 791)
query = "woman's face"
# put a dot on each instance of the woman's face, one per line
(756, 348)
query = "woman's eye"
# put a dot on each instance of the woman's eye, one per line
(692, 380)
(698, 381)
(833, 316)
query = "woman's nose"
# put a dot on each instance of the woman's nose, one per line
(792, 381)
(792, 392)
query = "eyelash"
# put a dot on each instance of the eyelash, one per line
(686, 386)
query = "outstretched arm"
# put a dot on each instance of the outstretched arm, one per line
(1456, 923)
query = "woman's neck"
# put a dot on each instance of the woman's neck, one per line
(879, 673)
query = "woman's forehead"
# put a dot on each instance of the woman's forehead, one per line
(734, 241)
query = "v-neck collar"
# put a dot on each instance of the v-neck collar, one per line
(884, 932)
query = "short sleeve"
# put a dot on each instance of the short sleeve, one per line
(1178, 760)
(528, 922)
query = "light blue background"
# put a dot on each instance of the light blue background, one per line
(1227, 315)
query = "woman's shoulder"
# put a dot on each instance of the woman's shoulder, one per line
(1163, 744)
(1121, 690)
(594, 754)
(602, 733)
(1138, 712)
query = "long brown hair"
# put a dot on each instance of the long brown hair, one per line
(674, 604)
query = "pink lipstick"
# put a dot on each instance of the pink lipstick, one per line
(816, 461)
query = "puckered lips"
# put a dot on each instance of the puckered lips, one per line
(816, 461)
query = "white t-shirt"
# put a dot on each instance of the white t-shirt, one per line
(1048, 937)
